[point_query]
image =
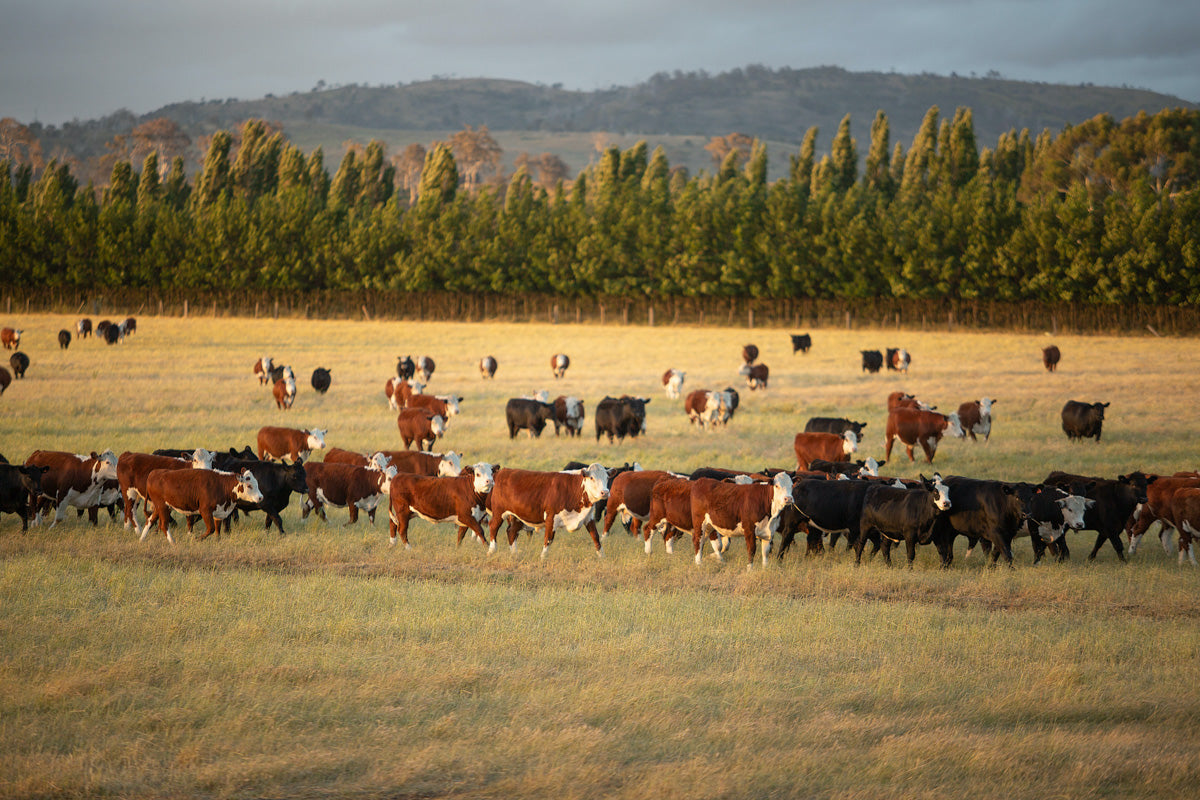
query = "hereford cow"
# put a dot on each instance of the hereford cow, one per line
(529, 415)
(443, 405)
(801, 342)
(421, 426)
(670, 511)
(872, 361)
(827, 446)
(897, 359)
(281, 443)
(913, 426)
(902, 515)
(18, 485)
(1185, 512)
(321, 380)
(487, 367)
(729, 401)
(72, 480)
(756, 375)
(569, 414)
(400, 391)
(629, 496)
(64, 339)
(414, 462)
(10, 338)
(1050, 357)
(211, 494)
(838, 425)
(672, 381)
(262, 370)
(986, 510)
(549, 500)
(127, 326)
(19, 363)
(345, 486)
(975, 417)
(462, 500)
(621, 417)
(1083, 420)
(1157, 508)
(729, 509)
(285, 393)
(425, 366)
(749, 353)
(134, 468)
(559, 363)
(704, 408)
(83, 328)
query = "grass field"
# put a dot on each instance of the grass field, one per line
(326, 664)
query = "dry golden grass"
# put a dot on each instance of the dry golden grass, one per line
(325, 663)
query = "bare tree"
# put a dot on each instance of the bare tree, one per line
(721, 146)
(18, 144)
(163, 136)
(476, 153)
(408, 168)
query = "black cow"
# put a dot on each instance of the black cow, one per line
(1116, 499)
(859, 468)
(872, 361)
(112, 333)
(406, 368)
(838, 425)
(896, 515)
(64, 339)
(525, 414)
(20, 363)
(321, 380)
(620, 417)
(1048, 512)
(801, 342)
(17, 485)
(1083, 420)
(221, 460)
(832, 507)
(276, 481)
(986, 510)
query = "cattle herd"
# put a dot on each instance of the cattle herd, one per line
(825, 497)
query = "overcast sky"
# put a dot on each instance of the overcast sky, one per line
(82, 59)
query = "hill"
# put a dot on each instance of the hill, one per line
(680, 111)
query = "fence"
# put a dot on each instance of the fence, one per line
(798, 313)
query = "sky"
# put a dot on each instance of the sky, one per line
(63, 60)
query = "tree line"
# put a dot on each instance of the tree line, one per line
(1103, 212)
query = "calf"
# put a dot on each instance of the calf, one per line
(1050, 357)
(528, 415)
(208, 493)
(487, 367)
(11, 338)
(64, 339)
(72, 480)
(756, 375)
(629, 495)
(569, 414)
(827, 446)
(976, 418)
(425, 366)
(672, 381)
(559, 363)
(872, 361)
(290, 443)
(421, 426)
(913, 426)
(406, 368)
(18, 485)
(462, 500)
(1115, 501)
(729, 509)
(838, 425)
(134, 468)
(801, 342)
(321, 380)
(412, 462)
(749, 353)
(19, 363)
(285, 393)
(83, 328)
(704, 408)
(550, 500)
(262, 370)
(1083, 420)
(345, 486)
(897, 515)
(898, 359)
(621, 417)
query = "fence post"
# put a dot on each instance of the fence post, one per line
(185, 304)
(750, 318)
(650, 319)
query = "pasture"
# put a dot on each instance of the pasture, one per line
(324, 663)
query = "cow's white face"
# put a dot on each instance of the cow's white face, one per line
(1050, 533)
(542, 397)
(246, 488)
(416, 386)
(385, 483)
(941, 494)
(574, 408)
(985, 407)
(451, 465)
(744, 371)
(266, 363)
(316, 439)
(595, 483)
(870, 468)
(781, 494)
(378, 462)
(954, 426)
(106, 466)
(1073, 508)
(483, 478)
(202, 459)
(849, 442)
(451, 404)
(438, 426)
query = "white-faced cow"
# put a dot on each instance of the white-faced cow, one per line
(128, 326)
(732, 509)
(420, 425)
(670, 511)
(425, 366)
(83, 328)
(72, 480)
(487, 367)
(462, 500)
(672, 381)
(345, 486)
(211, 494)
(976, 418)
(400, 390)
(546, 500)
(406, 368)
(838, 425)
(913, 426)
(902, 515)
(284, 391)
(629, 496)
(569, 414)
(134, 468)
(11, 338)
(559, 363)
(826, 446)
(444, 405)
(291, 443)
(415, 462)
(897, 359)
(704, 408)
(756, 375)
(1083, 420)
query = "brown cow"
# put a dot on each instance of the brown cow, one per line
(730, 509)
(630, 496)
(400, 390)
(284, 391)
(5, 379)
(756, 375)
(913, 426)
(975, 417)
(559, 363)
(291, 443)
(345, 486)
(1185, 512)
(421, 426)
(568, 413)
(670, 511)
(812, 447)
(487, 367)
(134, 468)
(445, 406)
(1050, 357)
(1159, 507)
(704, 407)
(462, 500)
(209, 493)
(10, 338)
(550, 500)
(262, 370)
(906, 400)
(72, 480)
(414, 462)
(672, 381)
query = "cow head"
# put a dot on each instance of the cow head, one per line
(378, 462)
(954, 425)
(295, 477)
(385, 480)
(849, 442)
(451, 404)
(870, 468)
(246, 489)
(316, 439)
(985, 407)
(939, 490)
(31, 478)
(595, 483)
(451, 464)
(781, 493)
(202, 459)
(437, 426)
(104, 465)
(484, 480)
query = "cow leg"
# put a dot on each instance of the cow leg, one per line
(398, 526)
(210, 525)
(353, 509)
(515, 527)
(550, 535)
(886, 545)
(591, 529)
(910, 543)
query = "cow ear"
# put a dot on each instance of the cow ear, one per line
(461, 399)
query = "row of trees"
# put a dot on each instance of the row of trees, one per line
(1104, 212)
